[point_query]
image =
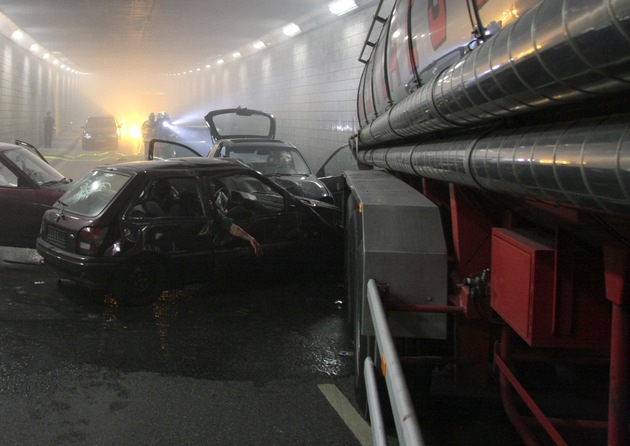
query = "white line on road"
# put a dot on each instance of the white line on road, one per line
(359, 427)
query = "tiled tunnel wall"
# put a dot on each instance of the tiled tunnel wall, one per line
(309, 83)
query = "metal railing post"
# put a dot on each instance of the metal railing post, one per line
(404, 413)
(379, 436)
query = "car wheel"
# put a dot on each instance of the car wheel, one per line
(139, 281)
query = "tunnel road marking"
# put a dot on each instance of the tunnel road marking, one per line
(359, 427)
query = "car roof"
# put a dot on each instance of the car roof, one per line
(178, 164)
(260, 142)
(101, 118)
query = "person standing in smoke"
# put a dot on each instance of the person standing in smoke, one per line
(49, 128)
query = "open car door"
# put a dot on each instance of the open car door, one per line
(32, 148)
(162, 149)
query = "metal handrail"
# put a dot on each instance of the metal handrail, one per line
(379, 436)
(407, 427)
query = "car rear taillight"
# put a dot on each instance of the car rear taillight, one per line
(90, 239)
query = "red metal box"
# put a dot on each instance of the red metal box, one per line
(544, 307)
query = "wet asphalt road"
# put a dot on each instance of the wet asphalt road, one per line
(243, 360)
(249, 359)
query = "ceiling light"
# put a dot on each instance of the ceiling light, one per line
(259, 44)
(236, 54)
(17, 35)
(340, 7)
(208, 66)
(220, 61)
(291, 29)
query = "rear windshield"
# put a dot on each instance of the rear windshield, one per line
(101, 122)
(231, 124)
(93, 193)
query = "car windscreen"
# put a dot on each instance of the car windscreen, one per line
(271, 160)
(90, 195)
(32, 165)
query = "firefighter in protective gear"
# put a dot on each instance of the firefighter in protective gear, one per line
(149, 131)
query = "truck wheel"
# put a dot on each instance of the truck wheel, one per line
(139, 281)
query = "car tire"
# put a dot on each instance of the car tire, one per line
(139, 281)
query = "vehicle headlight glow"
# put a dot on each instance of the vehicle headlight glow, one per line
(135, 132)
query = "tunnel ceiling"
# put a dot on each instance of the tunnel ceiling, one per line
(151, 35)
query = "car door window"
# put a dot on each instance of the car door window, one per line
(257, 206)
(168, 197)
(341, 160)
(162, 150)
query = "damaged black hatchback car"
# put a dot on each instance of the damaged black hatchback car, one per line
(138, 228)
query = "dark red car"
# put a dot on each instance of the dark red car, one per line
(28, 187)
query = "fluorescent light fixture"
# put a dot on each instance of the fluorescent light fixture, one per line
(34, 47)
(220, 61)
(236, 54)
(340, 7)
(46, 56)
(17, 35)
(56, 62)
(208, 66)
(259, 45)
(291, 29)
